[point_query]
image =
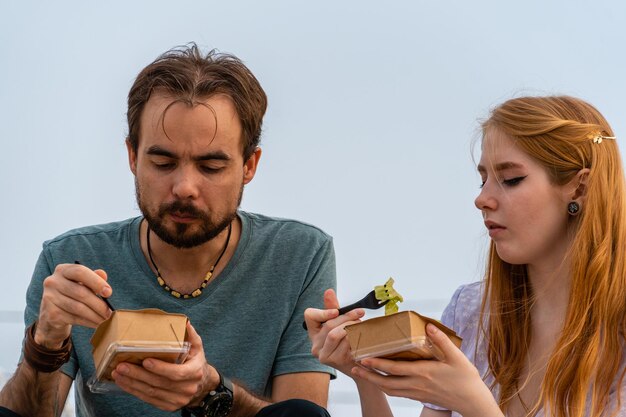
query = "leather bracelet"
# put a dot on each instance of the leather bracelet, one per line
(42, 359)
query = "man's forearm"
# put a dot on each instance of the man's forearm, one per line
(246, 404)
(32, 393)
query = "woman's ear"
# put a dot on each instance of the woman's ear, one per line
(577, 187)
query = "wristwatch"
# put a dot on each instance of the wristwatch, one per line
(217, 403)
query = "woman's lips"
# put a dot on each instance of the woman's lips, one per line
(493, 228)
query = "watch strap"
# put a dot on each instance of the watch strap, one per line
(217, 403)
(227, 383)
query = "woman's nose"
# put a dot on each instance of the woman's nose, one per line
(485, 199)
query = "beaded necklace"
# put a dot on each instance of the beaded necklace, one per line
(207, 277)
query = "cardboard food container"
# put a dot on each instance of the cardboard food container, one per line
(400, 336)
(132, 336)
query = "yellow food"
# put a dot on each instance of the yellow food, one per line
(387, 292)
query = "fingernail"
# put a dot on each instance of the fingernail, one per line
(106, 291)
(122, 369)
(432, 329)
(148, 364)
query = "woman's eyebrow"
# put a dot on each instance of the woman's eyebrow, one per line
(501, 166)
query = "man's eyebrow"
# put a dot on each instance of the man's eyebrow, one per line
(501, 166)
(158, 151)
(219, 155)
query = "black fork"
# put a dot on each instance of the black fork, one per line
(369, 301)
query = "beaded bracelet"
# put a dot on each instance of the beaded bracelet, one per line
(42, 359)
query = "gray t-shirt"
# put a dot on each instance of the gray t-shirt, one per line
(249, 317)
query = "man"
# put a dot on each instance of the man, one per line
(243, 279)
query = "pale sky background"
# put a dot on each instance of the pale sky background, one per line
(373, 108)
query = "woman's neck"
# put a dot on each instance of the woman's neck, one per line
(551, 282)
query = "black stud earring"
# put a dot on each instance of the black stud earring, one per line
(573, 208)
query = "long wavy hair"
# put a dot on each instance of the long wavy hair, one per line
(558, 132)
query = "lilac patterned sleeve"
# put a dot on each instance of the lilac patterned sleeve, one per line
(462, 315)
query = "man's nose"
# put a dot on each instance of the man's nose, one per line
(186, 184)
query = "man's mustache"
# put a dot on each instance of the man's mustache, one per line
(182, 208)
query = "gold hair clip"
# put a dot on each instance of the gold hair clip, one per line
(598, 138)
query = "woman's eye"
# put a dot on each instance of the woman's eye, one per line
(482, 184)
(514, 181)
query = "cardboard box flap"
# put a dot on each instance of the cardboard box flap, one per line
(149, 327)
(451, 333)
(139, 325)
(401, 335)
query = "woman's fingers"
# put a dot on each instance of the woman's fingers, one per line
(315, 318)
(443, 348)
(330, 299)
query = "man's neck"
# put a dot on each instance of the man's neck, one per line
(186, 268)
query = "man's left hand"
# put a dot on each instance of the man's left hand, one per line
(166, 385)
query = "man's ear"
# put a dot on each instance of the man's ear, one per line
(577, 187)
(132, 157)
(250, 166)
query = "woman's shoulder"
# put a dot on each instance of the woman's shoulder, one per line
(463, 311)
(467, 298)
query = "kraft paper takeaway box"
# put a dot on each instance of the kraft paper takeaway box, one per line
(399, 336)
(132, 336)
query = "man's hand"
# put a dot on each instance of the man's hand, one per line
(170, 386)
(69, 298)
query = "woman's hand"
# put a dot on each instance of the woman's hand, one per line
(452, 382)
(327, 333)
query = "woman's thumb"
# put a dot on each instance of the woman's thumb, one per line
(442, 347)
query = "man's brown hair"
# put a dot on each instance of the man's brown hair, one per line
(189, 76)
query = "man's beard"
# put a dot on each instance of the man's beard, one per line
(180, 238)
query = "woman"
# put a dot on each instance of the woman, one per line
(544, 332)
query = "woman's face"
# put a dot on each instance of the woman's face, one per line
(524, 212)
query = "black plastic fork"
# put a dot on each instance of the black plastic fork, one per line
(369, 301)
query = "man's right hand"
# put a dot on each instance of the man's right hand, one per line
(69, 298)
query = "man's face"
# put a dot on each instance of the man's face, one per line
(189, 168)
